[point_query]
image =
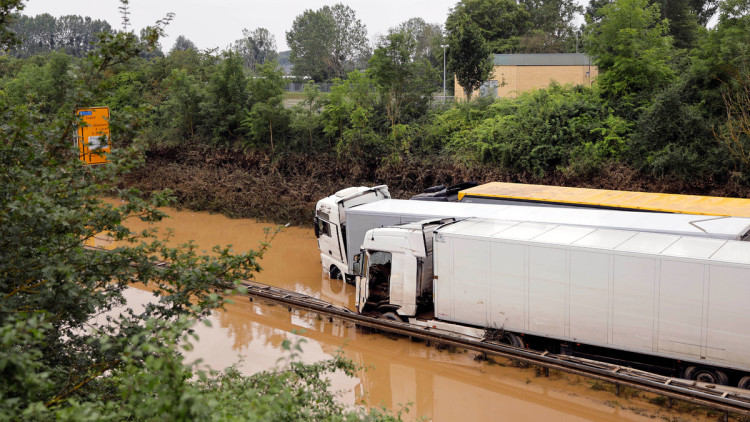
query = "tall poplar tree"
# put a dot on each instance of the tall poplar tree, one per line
(469, 55)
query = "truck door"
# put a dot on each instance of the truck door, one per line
(328, 238)
(363, 290)
(373, 288)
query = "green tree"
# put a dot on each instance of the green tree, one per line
(683, 21)
(349, 117)
(307, 117)
(327, 43)
(256, 47)
(468, 55)
(8, 14)
(404, 79)
(182, 43)
(267, 116)
(501, 23)
(704, 9)
(227, 99)
(631, 48)
(182, 105)
(48, 86)
(685, 17)
(550, 26)
(76, 35)
(426, 37)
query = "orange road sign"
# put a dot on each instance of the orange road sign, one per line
(93, 135)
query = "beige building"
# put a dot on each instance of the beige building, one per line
(515, 73)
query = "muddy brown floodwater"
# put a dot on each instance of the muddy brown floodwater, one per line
(440, 385)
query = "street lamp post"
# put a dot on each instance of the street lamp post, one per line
(444, 47)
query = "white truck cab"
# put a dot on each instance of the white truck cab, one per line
(330, 224)
(394, 269)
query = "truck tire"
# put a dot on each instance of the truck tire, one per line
(335, 274)
(392, 316)
(512, 340)
(744, 382)
(710, 376)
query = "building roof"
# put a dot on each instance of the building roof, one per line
(556, 59)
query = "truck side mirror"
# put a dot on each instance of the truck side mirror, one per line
(357, 264)
(316, 227)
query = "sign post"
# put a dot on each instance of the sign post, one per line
(93, 137)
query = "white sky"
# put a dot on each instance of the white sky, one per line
(217, 23)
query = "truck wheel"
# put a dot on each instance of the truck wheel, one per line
(709, 376)
(744, 382)
(511, 340)
(392, 316)
(335, 274)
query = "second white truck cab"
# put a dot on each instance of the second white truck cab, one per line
(394, 270)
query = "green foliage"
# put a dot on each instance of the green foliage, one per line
(182, 43)
(551, 26)
(307, 118)
(704, 10)
(327, 43)
(75, 35)
(672, 134)
(656, 106)
(427, 38)
(227, 99)
(48, 85)
(612, 145)
(734, 135)
(69, 350)
(256, 47)
(631, 49)
(683, 23)
(403, 79)
(468, 55)
(267, 114)
(349, 117)
(500, 22)
(182, 106)
(534, 133)
(8, 15)
(293, 392)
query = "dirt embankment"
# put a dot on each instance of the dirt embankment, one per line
(285, 188)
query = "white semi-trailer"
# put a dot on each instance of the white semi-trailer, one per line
(675, 304)
(342, 219)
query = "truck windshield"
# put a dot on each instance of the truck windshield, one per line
(379, 276)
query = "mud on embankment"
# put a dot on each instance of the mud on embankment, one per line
(285, 188)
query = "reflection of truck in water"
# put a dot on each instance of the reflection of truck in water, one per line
(342, 219)
(667, 303)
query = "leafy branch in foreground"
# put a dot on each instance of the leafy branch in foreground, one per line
(69, 348)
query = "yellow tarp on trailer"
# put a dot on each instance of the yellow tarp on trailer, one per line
(663, 202)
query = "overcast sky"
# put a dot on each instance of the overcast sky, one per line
(217, 23)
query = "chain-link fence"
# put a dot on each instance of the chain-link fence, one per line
(300, 86)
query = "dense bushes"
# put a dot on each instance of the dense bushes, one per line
(654, 108)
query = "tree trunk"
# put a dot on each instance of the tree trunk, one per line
(270, 127)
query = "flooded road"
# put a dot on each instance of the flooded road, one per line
(440, 385)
